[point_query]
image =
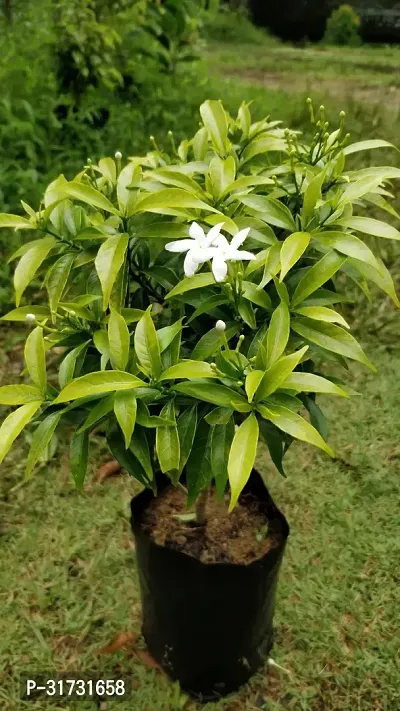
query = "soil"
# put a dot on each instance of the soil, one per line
(241, 536)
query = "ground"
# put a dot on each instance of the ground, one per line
(68, 584)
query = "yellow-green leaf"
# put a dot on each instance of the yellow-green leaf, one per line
(29, 264)
(99, 382)
(119, 340)
(318, 275)
(322, 313)
(167, 441)
(90, 196)
(57, 279)
(198, 281)
(215, 120)
(147, 346)
(296, 426)
(292, 249)
(278, 372)
(189, 369)
(125, 408)
(14, 424)
(253, 380)
(35, 358)
(241, 457)
(310, 383)
(15, 221)
(19, 394)
(332, 338)
(109, 261)
(278, 333)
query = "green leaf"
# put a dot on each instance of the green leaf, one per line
(41, 313)
(359, 188)
(331, 338)
(89, 195)
(167, 441)
(40, 440)
(198, 281)
(308, 382)
(210, 392)
(168, 176)
(312, 195)
(144, 418)
(161, 201)
(247, 313)
(29, 264)
(381, 278)
(219, 416)
(270, 210)
(119, 340)
(57, 279)
(366, 146)
(19, 394)
(109, 261)
(186, 424)
(14, 424)
(189, 369)
(132, 315)
(215, 121)
(221, 442)
(317, 417)
(100, 410)
(108, 168)
(198, 467)
(146, 345)
(140, 449)
(263, 144)
(257, 296)
(253, 380)
(15, 221)
(278, 372)
(242, 456)
(274, 442)
(164, 230)
(100, 382)
(318, 275)
(126, 197)
(208, 344)
(78, 457)
(35, 358)
(321, 313)
(296, 426)
(222, 173)
(125, 408)
(349, 245)
(369, 226)
(126, 458)
(278, 333)
(68, 368)
(166, 335)
(200, 144)
(292, 249)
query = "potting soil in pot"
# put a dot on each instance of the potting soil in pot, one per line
(241, 536)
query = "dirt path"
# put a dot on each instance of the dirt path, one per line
(342, 87)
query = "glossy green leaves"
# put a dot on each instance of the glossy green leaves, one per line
(241, 456)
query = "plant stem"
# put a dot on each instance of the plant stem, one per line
(201, 507)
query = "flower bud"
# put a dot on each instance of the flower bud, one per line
(118, 155)
(30, 318)
(220, 326)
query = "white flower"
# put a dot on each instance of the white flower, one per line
(30, 318)
(198, 248)
(118, 155)
(225, 252)
(220, 326)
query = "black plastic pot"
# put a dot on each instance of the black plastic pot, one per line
(209, 625)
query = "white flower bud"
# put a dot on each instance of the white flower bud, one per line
(118, 155)
(30, 318)
(220, 325)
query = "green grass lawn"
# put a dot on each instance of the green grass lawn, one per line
(68, 581)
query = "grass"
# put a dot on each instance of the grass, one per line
(68, 581)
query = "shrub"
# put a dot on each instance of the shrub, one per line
(342, 27)
(181, 343)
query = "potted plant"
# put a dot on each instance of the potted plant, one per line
(193, 297)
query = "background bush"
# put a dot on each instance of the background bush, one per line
(342, 27)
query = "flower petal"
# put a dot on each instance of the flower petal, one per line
(221, 243)
(196, 232)
(219, 268)
(236, 255)
(180, 245)
(239, 238)
(190, 265)
(213, 233)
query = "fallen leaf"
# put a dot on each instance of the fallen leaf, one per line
(111, 468)
(145, 657)
(122, 639)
